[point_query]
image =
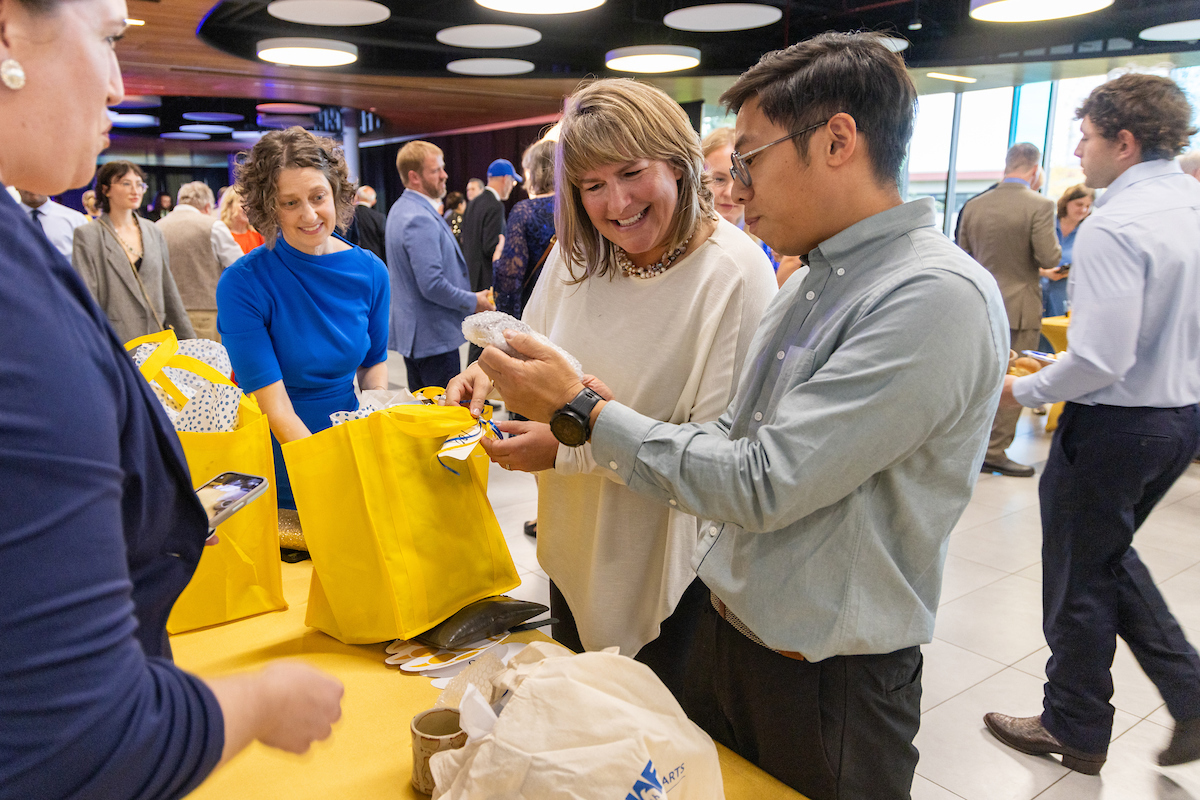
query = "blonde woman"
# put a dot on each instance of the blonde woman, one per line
(649, 287)
(233, 213)
(718, 158)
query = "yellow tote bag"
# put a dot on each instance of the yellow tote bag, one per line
(240, 575)
(399, 543)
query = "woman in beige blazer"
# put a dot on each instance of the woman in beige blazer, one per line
(123, 259)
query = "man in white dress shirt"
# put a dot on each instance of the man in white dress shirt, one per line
(1131, 427)
(57, 221)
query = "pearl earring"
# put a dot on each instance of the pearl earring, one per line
(12, 73)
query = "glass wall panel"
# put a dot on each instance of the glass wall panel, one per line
(1064, 171)
(1188, 79)
(1033, 114)
(982, 143)
(929, 152)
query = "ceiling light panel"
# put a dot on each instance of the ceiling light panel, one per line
(307, 52)
(340, 13)
(184, 136)
(942, 76)
(540, 6)
(212, 116)
(716, 17)
(288, 108)
(490, 66)
(205, 127)
(1033, 10)
(894, 43)
(248, 136)
(652, 58)
(489, 36)
(1184, 31)
(133, 120)
(139, 101)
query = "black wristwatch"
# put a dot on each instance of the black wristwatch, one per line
(571, 423)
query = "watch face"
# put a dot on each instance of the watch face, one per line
(568, 430)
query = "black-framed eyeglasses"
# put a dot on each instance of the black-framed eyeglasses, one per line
(741, 167)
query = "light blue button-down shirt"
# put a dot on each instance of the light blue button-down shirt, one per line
(851, 446)
(1135, 298)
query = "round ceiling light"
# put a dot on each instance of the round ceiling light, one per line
(133, 120)
(205, 127)
(248, 136)
(329, 12)
(1033, 10)
(652, 58)
(306, 52)
(287, 108)
(184, 135)
(490, 66)
(1184, 31)
(282, 121)
(540, 6)
(212, 116)
(488, 36)
(894, 43)
(723, 17)
(139, 101)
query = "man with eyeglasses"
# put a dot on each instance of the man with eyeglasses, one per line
(850, 448)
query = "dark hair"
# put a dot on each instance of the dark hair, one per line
(1022, 155)
(854, 73)
(453, 199)
(258, 176)
(1153, 109)
(113, 171)
(1076, 192)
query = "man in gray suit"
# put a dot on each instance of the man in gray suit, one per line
(431, 292)
(1010, 231)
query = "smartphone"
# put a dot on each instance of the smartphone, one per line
(1064, 268)
(1037, 355)
(228, 493)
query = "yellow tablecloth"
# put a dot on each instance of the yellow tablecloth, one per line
(1055, 331)
(369, 755)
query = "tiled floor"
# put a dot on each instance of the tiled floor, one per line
(988, 652)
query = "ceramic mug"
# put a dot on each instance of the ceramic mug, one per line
(433, 731)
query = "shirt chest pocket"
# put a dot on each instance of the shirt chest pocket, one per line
(798, 365)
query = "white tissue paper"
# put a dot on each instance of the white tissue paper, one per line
(210, 407)
(373, 400)
(488, 327)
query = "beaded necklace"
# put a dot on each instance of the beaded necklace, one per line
(657, 268)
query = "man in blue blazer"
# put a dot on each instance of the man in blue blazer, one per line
(431, 293)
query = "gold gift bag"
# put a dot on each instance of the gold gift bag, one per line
(240, 575)
(399, 542)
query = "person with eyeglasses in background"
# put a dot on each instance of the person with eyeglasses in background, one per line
(829, 487)
(123, 259)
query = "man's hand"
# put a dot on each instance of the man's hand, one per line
(470, 387)
(1006, 395)
(1054, 274)
(483, 301)
(535, 388)
(530, 448)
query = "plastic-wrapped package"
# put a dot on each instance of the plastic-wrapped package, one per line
(488, 327)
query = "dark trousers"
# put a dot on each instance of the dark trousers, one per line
(1108, 467)
(473, 353)
(667, 655)
(431, 370)
(838, 729)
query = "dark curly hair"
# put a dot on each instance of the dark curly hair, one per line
(1153, 109)
(258, 175)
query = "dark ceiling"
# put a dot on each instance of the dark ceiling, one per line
(574, 45)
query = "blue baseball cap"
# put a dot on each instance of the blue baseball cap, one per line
(501, 167)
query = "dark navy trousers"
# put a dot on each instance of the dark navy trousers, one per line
(431, 370)
(1108, 467)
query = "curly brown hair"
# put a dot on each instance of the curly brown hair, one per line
(294, 148)
(1152, 108)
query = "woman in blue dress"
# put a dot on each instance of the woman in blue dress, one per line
(307, 313)
(1073, 207)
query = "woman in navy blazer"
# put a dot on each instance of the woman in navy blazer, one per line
(99, 527)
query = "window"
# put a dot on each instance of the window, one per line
(929, 151)
(982, 142)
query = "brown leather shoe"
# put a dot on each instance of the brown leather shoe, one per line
(1006, 466)
(1028, 735)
